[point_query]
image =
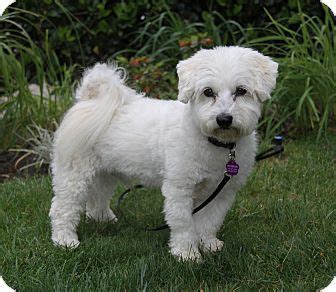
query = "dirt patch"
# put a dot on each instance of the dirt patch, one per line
(12, 162)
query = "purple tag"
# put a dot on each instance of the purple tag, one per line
(232, 168)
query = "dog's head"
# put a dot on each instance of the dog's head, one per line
(225, 87)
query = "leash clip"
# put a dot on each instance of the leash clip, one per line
(232, 154)
(232, 167)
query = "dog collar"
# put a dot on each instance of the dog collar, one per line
(228, 145)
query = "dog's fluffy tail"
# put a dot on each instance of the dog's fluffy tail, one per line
(100, 81)
(99, 94)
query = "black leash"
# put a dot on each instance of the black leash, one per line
(277, 149)
(231, 170)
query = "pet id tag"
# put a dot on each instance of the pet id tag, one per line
(232, 167)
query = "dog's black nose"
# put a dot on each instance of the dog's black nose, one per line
(224, 120)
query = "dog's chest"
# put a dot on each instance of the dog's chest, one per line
(211, 166)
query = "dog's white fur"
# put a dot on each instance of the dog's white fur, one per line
(113, 134)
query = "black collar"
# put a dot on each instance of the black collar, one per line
(228, 145)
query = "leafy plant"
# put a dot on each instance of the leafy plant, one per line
(170, 38)
(303, 45)
(23, 64)
(87, 31)
(307, 78)
(39, 146)
(149, 77)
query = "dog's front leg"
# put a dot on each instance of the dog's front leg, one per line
(209, 220)
(178, 213)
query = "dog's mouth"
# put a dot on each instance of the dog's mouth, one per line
(229, 128)
(226, 133)
(225, 127)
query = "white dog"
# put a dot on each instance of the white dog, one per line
(114, 134)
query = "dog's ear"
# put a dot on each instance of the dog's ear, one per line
(266, 73)
(185, 73)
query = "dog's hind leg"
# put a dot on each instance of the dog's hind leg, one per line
(70, 185)
(98, 201)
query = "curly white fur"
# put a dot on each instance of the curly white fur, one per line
(113, 134)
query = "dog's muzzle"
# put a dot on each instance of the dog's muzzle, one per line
(224, 121)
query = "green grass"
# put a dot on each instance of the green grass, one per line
(280, 234)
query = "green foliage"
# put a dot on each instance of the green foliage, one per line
(279, 236)
(23, 63)
(148, 38)
(149, 77)
(304, 99)
(87, 31)
(170, 38)
(305, 92)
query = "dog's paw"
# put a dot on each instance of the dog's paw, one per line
(191, 254)
(212, 245)
(66, 241)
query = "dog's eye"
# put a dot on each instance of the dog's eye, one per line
(208, 92)
(240, 91)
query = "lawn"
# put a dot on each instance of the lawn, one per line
(280, 235)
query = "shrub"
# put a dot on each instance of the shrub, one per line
(306, 98)
(86, 31)
(35, 49)
(149, 76)
(34, 86)
(303, 45)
